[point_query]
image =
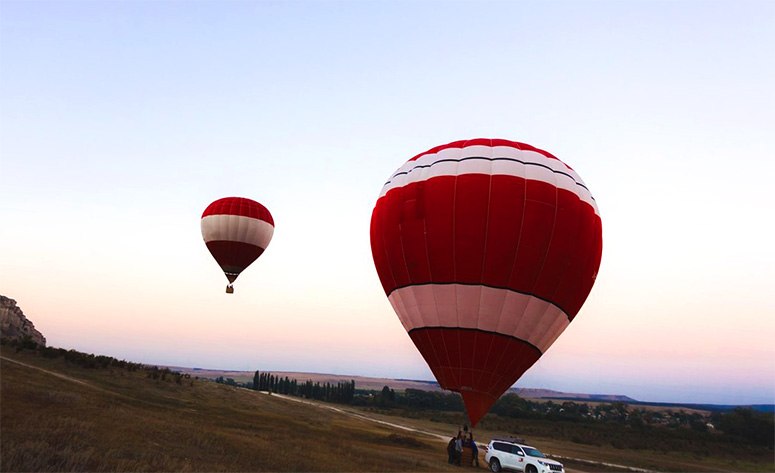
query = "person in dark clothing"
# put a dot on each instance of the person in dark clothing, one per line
(451, 451)
(475, 450)
(459, 448)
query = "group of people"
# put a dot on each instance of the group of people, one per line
(464, 439)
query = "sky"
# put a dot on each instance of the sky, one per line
(120, 121)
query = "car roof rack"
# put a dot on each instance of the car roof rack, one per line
(511, 439)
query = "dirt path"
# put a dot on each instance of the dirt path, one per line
(357, 415)
(66, 378)
(57, 375)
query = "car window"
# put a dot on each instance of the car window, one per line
(517, 451)
(501, 447)
(534, 453)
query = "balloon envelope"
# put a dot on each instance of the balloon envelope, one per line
(487, 250)
(236, 231)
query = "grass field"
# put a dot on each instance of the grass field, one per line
(56, 416)
(115, 420)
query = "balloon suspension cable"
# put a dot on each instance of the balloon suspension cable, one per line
(229, 289)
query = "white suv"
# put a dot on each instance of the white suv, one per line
(512, 454)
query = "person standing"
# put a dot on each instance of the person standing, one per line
(474, 450)
(458, 448)
(451, 455)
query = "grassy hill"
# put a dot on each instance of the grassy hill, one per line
(56, 416)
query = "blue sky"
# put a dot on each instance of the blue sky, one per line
(121, 121)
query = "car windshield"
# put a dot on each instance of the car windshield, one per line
(533, 452)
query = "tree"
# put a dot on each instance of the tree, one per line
(746, 423)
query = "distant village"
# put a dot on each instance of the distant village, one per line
(623, 413)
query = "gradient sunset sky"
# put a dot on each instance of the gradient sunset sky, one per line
(121, 121)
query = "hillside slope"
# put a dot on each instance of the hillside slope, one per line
(56, 416)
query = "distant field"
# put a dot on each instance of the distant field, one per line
(361, 382)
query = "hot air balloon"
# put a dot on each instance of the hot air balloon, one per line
(236, 231)
(486, 249)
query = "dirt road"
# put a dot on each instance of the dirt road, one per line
(60, 376)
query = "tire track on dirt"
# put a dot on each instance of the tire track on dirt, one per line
(62, 376)
(79, 382)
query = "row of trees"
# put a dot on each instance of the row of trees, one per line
(342, 392)
(411, 399)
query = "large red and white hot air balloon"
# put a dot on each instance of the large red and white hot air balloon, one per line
(486, 249)
(236, 231)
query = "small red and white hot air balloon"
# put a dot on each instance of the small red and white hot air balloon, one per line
(487, 250)
(236, 230)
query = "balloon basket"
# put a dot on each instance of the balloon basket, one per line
(229, 289)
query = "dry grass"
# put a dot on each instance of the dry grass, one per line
(124, 421)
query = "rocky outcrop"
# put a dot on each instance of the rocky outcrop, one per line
(14, 325)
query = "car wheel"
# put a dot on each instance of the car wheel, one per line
(495, 465)
(531, 469)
